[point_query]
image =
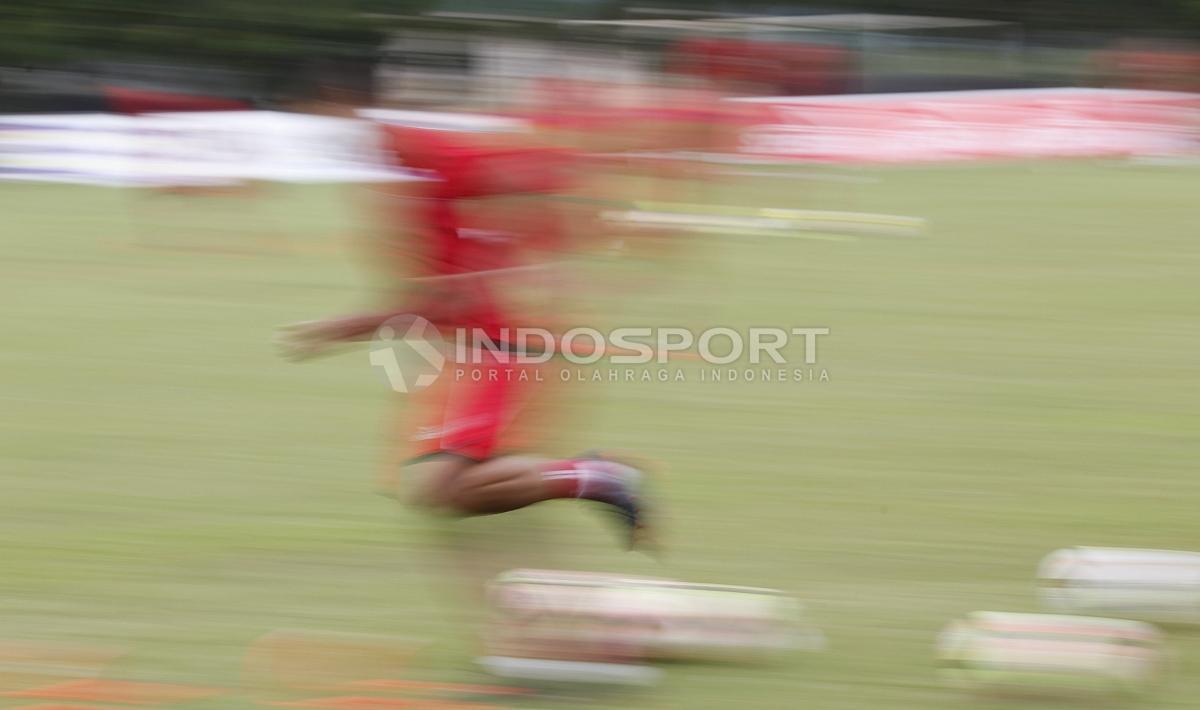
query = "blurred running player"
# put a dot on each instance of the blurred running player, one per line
(469, 446)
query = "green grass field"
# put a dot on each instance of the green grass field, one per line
(1023, 378)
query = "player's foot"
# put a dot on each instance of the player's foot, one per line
(608, 480)
(625, 497)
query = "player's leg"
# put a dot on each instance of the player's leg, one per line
(461, 473)
(511, 482)
(455, 485)
(428, 483)
(496, 486)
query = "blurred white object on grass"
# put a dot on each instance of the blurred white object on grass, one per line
(1154, 585)
(565, 621)
(1023, 654)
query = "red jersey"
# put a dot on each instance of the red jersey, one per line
(460, 232)
(490, 405)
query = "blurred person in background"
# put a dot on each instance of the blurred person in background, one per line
(661, 141)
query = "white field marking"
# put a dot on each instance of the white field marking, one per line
(569, 671)
(817, 177)
(778, 212)
(724, 226)
(768, 221)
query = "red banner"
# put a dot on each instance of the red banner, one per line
(966, 125)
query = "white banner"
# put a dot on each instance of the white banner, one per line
(231, 146)
(212, 147)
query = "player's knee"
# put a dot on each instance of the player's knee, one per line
(433, 485)
(467, 493)
(470, 488)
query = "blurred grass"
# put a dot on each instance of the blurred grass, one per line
(1022, 379)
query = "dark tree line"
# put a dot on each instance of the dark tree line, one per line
(232, 32)
(258, 34)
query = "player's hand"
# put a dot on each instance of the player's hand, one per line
(302, 341)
